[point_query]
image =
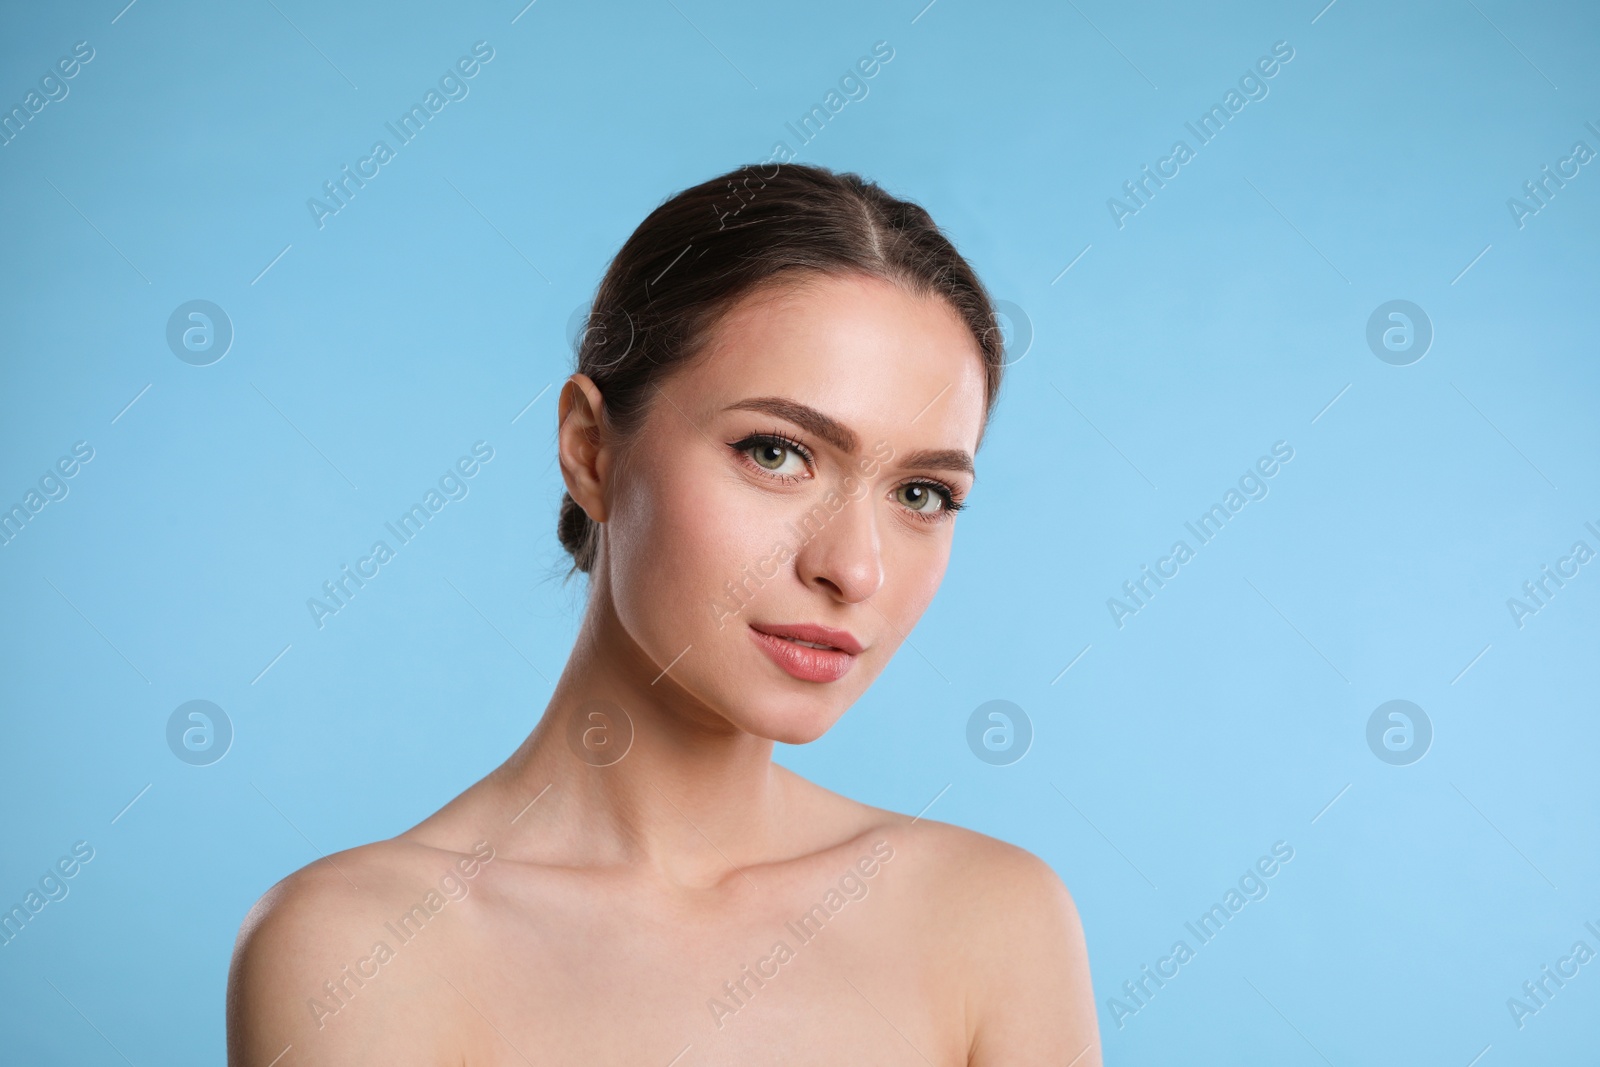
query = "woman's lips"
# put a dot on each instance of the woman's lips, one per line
(781, 643)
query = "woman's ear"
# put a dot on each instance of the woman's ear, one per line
(585, 457)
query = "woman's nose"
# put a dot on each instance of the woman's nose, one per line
(842, 554)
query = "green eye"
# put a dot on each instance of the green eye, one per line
(770, 455)
(919, 497)
(775, 454)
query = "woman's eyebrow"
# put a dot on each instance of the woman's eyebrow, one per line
(949, 459)
(809, 418)
(843, 438)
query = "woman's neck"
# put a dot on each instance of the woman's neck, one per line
(626, 767)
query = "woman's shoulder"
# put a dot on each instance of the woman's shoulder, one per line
(955, 864)
(303, 946)
(338, 887)
(1002, 919)
(1007, 894)
(969, 869)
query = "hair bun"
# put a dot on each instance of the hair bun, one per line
(576, 531)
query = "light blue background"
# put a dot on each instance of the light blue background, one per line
(1223, 317)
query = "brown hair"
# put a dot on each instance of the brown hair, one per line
(661, 297)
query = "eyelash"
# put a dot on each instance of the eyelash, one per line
(946, 493)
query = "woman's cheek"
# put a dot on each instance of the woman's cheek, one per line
(641, 536)
(710, 548)
(686, 541)
(918, 572)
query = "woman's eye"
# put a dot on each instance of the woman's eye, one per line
(920, 498)
(777, 458)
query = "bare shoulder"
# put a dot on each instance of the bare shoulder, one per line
(309, 955)
(1006, 920)
(961, 865)
(995, 889)
(991, 890)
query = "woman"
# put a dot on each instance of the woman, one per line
(784, 380)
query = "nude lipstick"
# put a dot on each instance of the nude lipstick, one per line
(792, 647)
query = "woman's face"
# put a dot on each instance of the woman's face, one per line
(796, 482)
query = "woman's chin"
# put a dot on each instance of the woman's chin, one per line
(791, 725)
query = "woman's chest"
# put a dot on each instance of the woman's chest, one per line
(781, 976)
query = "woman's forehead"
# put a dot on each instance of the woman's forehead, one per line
(861, 349)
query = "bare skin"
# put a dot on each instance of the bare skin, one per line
(645, 885)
